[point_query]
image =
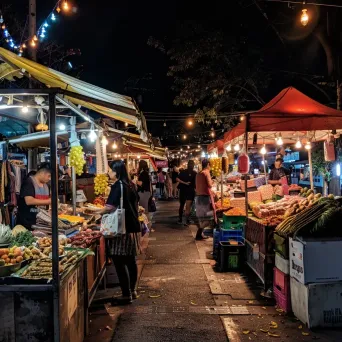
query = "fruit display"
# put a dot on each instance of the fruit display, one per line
(5, 234)
(18, 229)
(42, 269)
(99, 202)
(76, 157)
(295, 187)
(272, 221)
(85, 239)
(45, 245)
(235, 212)
(72, 219)
(216, 166)
(15, 255)
(298, 206)
(101, 183)
(275, 208)
(23, 239)
(223, 206)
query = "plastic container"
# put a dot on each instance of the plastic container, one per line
(231, 256)
(234, 234)
(233, 222)
(282, 264)
(281, 290)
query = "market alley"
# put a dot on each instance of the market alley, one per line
(181, 298)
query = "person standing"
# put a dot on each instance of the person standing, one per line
(168, 184)
(123, 249)
(278, 172)
(204, 206)
(144, 187)
(175, 174)
(186, 180)
(161, 181)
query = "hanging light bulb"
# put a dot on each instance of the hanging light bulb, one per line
(3, 26)
(24, 46)
(58, 9)
(24, 108)
(199, 146)
(298, 144)
(229, 147)
(304, 18)
(104, 141)
(184, 136)
(92, 135)
(53, 17)
(45, 24)
(308, 145)
(35, 38)
(65, 6)
(115, 146)
(190, 122)
(138, 157)
(188, 147)
(237, 147)
(126, 124)
(242, 117)
(62, 127)
(164, 124)
(33, 43)
(181, 150)
(263, 150)
(280, 141)
(212, 134)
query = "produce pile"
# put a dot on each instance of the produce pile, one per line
(235, 212)
(226, 204)
(85, 239)
(321, 218)
(272, 221)
(5, 234)
(44, 219)
(216, 166)
(42, 269)
(15, 255)
(45, 245)
(99, 201)
(23, 239)
(76, 157)
(101, 183)
(72, 220)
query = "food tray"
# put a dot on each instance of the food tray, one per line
(6, 271)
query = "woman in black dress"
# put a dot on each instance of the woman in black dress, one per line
(124, 249)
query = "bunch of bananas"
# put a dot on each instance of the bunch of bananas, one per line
(77, 159)
(101, 183)
(216, 166)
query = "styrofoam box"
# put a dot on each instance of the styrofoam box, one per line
(317, 305)
(282, 264)
(315, 261)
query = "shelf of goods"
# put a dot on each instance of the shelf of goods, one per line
(29, 283)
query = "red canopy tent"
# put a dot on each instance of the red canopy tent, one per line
(289, 111)
(219, 144)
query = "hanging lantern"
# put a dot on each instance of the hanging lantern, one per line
(243, 163)
(42, 119)
(304, 18)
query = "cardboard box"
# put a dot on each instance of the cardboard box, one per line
(316, 261)
(317, 305)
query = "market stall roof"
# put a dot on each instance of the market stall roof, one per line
(290, 111)
(118, 107)
(218, 144)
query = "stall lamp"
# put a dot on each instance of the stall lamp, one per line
(229, 147)
(24, 108)
(280, 141)
(338, 169)
(190, 122)
(62, 127)
(92, 135)
(304, 18)
(199, 146)
(263, 150)
(188, 147)
(298, 144)
(237, 147)
(115, 146)
(184, 136)
(202, 155)
(126, 124)
(104, 141)
(308, 146)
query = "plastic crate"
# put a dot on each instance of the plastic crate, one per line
(281, 290)
(233, 222)
(216, 242)
(230, 256)
(226, 235)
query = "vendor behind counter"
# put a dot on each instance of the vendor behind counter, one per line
(278, 172)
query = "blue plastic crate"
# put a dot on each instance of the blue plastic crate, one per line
(233, 234)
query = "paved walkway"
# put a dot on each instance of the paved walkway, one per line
(183, 299)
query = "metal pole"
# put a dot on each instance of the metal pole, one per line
(246, 147)
(73, 180)
(263, 158)
(310, 169)
(32, 28)
(54, 215)
(221, 186)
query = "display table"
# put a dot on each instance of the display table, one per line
(260, 250)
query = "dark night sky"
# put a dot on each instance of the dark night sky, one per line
(112, 36)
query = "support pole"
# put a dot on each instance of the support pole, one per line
(246, 147)
(310, 169)
(54, 215)
(32, 28)
(263, 158)
(73, 186)
(221, 188)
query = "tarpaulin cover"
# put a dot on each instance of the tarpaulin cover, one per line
(219, 144)
(53, 78)
(289, 111)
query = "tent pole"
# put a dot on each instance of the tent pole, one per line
(73, 178)
(310, 169)
(246, 147)
(263, 158)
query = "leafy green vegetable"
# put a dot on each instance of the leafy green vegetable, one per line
(23, 239)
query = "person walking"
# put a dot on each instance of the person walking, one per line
(168, 184)
(161, 181)
(144, 187)
(187, 183)
(175, 174)
(123, 249)
(204, 198)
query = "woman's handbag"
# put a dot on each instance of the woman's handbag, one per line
(114, 224)
(152, 205)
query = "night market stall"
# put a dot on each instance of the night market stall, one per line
(293, 225)
(53, 276)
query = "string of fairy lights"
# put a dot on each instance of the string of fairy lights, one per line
(41, 34)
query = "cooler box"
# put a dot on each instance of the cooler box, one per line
(317, 305)
(282, 264)
(316, 261)
(281, 290)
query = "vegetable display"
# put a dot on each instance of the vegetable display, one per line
(5, 234)
(23, 239)
(235, 212)
(85, 239)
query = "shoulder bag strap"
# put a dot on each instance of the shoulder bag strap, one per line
(121, 198)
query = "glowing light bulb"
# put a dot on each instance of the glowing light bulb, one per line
(3, 26)
(242, 117)
(138, 157)
(304, 18)
(65, 5)
(104, 141)
(92, 136)
(181, 150)
(199, 146)
(115, 146)
(62, 127)
(263, 150)
(35, 38)
(188, 147)
(24, 46)
(126, 124)
(212, 134)
(164, 124)
(53, 17)
(298, 144)
(42, 35)
(190, 122)
(33, 43)
(280, 141)
(229, 147)
(184, 136)
(308, 146)
(45, 24)
(237, 147)
(24, 108)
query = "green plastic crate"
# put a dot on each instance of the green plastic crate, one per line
(233, 222)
